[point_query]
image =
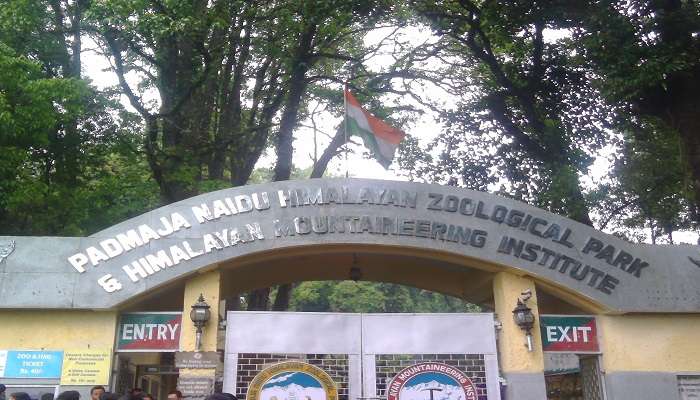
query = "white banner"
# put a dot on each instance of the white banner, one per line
(689, 387)
(3, 362)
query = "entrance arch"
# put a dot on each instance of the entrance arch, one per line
(481, 230)
(473, 245)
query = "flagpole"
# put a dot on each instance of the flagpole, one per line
(345, 128)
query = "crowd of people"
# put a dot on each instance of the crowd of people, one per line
(100, 393)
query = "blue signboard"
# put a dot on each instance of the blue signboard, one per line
(33, 364)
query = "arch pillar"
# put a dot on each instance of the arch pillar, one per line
(522, 370)
(209, 285)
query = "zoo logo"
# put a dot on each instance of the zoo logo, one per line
(292, 380)
(431, 381)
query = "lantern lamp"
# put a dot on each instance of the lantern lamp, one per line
(522, 314)
(200, 315)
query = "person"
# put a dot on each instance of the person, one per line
(20, 396)
(47, 396)
(148, 396)
(96, 392)
(68, 395)
(221, 396)
(109, 396)
(136, 393)
(3, 388)
(175, 395)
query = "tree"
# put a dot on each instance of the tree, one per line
(231, 76)
(226, 73)
(31, 107)
(65, 145)
(648, 187)
(532, 110)
(646, 56)
(526, 117)
(348, 296)
(324, 45)
(205, 60)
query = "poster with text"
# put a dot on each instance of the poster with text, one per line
(30, 364)
(86, 367)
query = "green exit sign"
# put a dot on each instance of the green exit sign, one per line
(567, 333)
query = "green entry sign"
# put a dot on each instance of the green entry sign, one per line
(572, 334)
(156, 331)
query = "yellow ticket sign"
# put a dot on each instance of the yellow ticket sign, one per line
(86, 367)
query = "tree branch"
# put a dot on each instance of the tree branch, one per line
(134, 100)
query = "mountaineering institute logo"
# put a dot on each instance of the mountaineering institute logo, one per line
(292, 380)
(431, 381)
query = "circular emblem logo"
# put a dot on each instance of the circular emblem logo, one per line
(292, 380)
(431, 381)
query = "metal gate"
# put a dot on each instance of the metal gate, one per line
(361, 352)
(591, 380)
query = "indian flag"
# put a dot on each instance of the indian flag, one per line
(381, 138)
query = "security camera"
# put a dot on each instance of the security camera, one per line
(526, 295)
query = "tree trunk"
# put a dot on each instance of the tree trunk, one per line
(284, 295)
(285, 137)
(679, 103)
(285, 146)
(331, 151)
(259, 299)
(685, 118)
(284, 292)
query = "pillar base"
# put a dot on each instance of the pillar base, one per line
(641, 385)
(525, 386)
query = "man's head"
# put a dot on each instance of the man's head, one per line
(221, 396)
(109, 396)
(68, 395)
(175, 395)
(96, 392)
(20, 396)
(2, 388)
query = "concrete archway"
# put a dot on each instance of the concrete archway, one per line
(473, 245)
(483, 231)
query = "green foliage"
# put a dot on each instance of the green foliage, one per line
(648, 187)
(264, 175)
(32, 105)
(71, 163)
(236, 77)
(349, 296)
(109, 183)
(533, 111)
(232, 77)
(638, 47)
(644, 57)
